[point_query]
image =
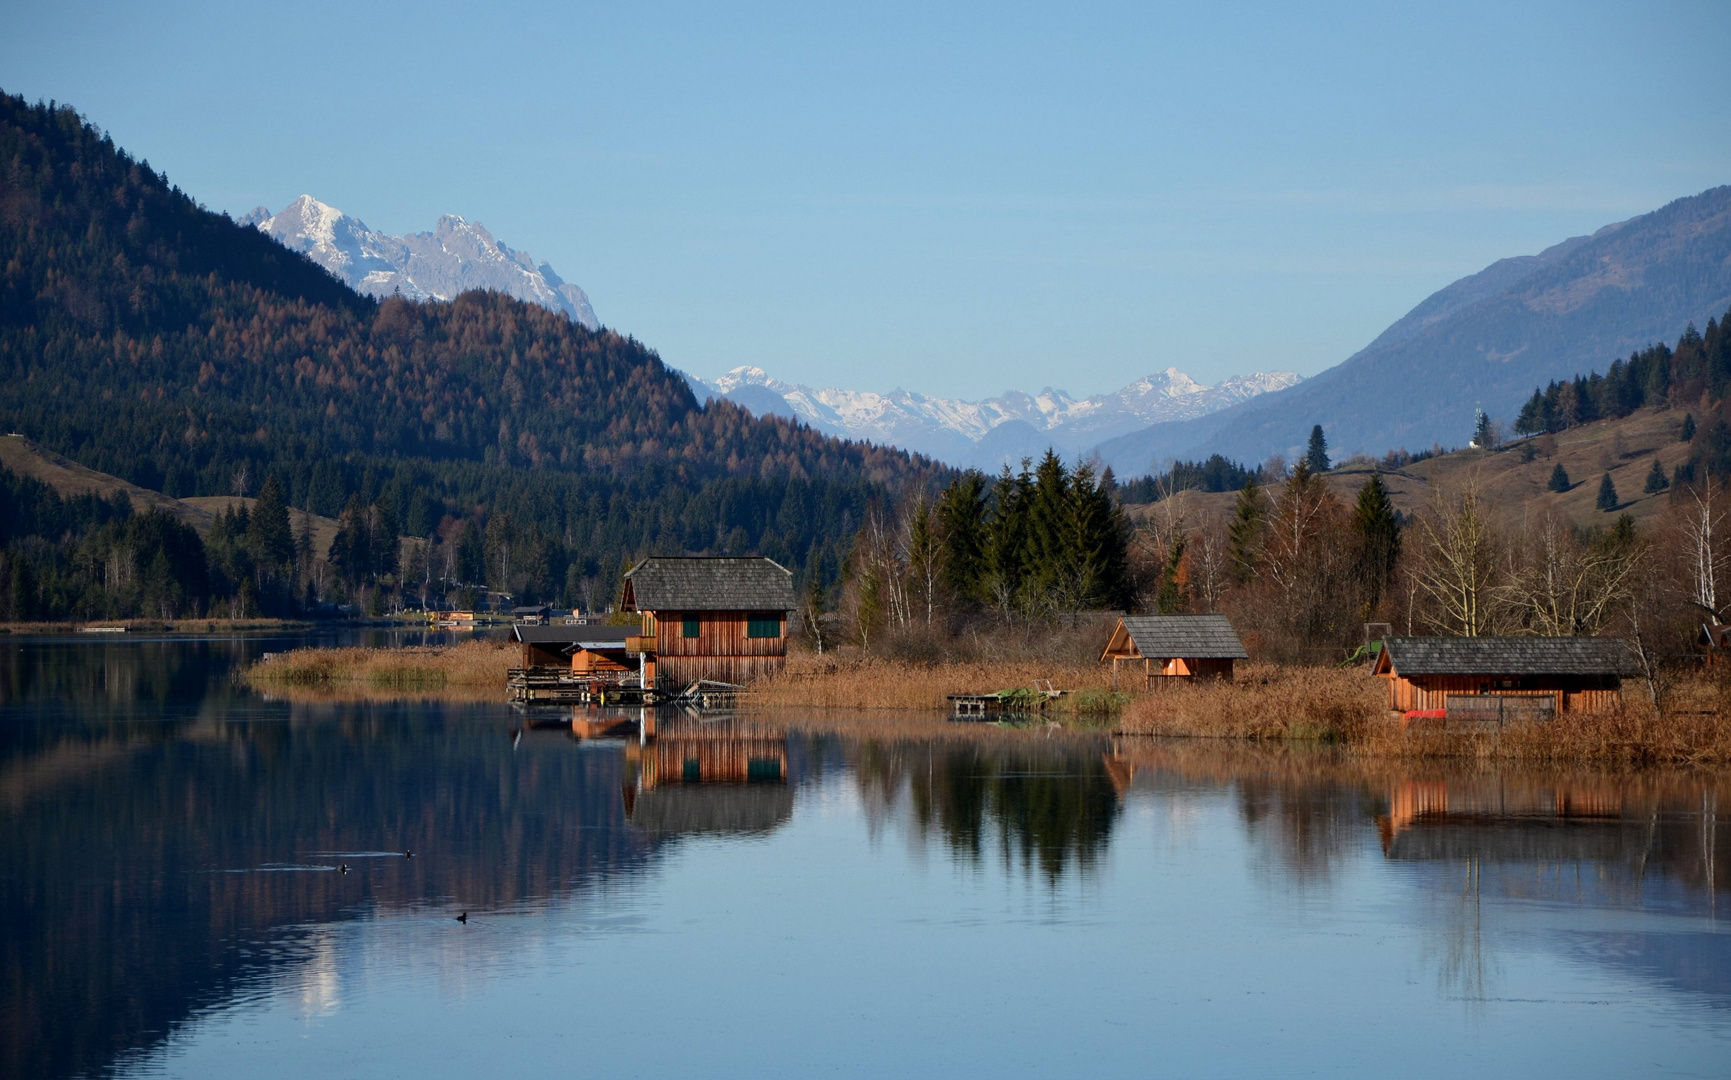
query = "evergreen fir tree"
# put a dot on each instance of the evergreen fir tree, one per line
(1316, 456)
(386, 538)
(1007, 537)
(1379, 534)
(1656, 481)
(351, 548)
(1531, 420)
(1080, 585)
(1607, 500)
(1484, 436)
(1051, 549)
(962, 521)
(268, 535)
(1688, 434)
(1244, 535)
(1099, 542)
(1559, 479)
(472, 555)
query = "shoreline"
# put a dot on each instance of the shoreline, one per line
(1267, 704)
(97, 627)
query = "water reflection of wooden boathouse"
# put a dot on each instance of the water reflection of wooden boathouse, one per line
(718, 620)
(1494, 680)
(1183, 647)
(715, 776)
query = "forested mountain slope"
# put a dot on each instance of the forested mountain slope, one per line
(144, 336)
(1483, 342)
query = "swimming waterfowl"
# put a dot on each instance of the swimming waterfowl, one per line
(463, 918)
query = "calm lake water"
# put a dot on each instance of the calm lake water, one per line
(805, 895)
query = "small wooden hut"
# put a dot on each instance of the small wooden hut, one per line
(585, 650)
(1175, 647)
(708, 619)
(1502, 678)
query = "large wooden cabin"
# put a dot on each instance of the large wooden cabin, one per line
(1499, 678)
(1174, 647)
(715, 619)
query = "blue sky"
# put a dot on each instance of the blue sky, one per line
(954, 199)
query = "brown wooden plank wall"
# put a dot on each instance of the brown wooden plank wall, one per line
(1430, 692)
(585, 661)
(723, 634)
(675, 673)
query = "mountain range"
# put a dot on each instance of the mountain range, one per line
(146, 337)
(1485, 341)
(996, 431)
(457, 256)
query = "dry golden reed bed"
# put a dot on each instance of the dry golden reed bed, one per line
(1342, 707)
(864, 682)
(1346, 706)
(472, 671)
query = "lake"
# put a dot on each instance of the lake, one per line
(801, 894)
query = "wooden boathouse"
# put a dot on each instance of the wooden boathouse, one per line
(1174, 647)
(580, 649)
(1492, 680)
(573, 664)
(721, 620)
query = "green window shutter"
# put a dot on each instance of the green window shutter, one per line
(763, 628)
(693, 627)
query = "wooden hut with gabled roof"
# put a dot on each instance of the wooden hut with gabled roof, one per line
(1175, 647)
(1495, 679)
(709, 619)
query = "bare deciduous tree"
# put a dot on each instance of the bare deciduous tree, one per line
(1457, 565)
(1563, 587)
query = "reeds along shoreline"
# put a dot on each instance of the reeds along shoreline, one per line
(1345, 706)
(471, 671)
(865, 682)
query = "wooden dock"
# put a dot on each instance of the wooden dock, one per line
(560, 686)
(1019, 700)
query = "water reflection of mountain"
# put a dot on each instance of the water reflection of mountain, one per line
(162, 832)
(142, 890)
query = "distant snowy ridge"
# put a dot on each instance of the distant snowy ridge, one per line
(997, 430)
(457, 256)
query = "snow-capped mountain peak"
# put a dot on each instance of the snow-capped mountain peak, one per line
(990, 432)
(456, 256)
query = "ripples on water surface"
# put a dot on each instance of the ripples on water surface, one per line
(799, 895)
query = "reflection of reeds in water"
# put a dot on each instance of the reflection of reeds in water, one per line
(471, 671)
(1303, 800)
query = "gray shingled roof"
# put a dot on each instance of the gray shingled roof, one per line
(711, 584)
(1187, 637)
(588, 636)
(1510, 656)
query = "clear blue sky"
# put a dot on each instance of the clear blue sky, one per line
(953, 199)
